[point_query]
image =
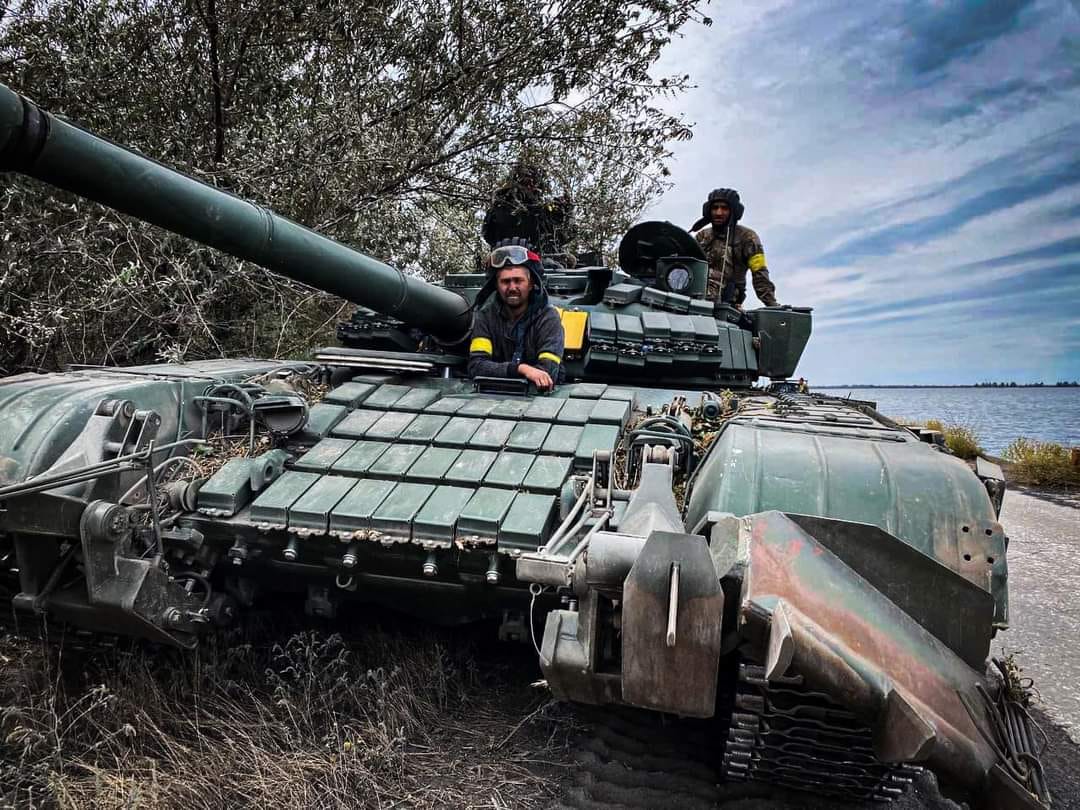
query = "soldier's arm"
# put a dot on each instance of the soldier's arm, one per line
(481, 349)
(759, 272)
(550, 342)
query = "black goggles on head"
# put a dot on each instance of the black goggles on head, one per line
(511, 256)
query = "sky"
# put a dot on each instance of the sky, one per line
(913, 170)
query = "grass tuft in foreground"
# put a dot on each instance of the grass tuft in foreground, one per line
(1041, 464)
(312, 722)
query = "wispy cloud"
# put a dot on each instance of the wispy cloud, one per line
(942, 33)
(912, 168)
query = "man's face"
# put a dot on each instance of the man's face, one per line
(514, 286)
(720, 213)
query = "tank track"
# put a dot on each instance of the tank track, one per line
(626, 759)
(43, 627)
(784, 733)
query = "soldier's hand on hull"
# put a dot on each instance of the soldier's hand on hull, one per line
(537, 376)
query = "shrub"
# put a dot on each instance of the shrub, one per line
(961, 439)
(1041, 464)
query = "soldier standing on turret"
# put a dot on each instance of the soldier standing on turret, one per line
(731, 249)
(521, 209)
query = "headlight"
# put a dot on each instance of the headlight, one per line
(677, 279)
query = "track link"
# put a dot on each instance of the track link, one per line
(629, 759)
(784, 733)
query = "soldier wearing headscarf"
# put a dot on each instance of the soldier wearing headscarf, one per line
(731, 249)
(522, 208)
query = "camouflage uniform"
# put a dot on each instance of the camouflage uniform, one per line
(520, 209)
(727, 281)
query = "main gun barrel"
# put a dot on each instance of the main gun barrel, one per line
(40, 145)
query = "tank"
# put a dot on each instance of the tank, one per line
(678, 527)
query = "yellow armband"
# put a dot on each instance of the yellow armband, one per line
(480, 345)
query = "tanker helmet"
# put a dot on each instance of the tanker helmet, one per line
(725, 195)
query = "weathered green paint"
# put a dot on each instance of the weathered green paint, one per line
(424, 428)
(509, 470)
(357, 423)
(528, 437)
(389, 426)
(547, 474)
(386, 396)
(526, 524)
(312, 509)
(349, 394)
(322, 456)
(446, 405)
(396, 460)
(394, 517)
(471, 466)
(353, 513)
(593, 438)
(458, 431)
(544, 409)
(477, 407)
(886, 478)
(575, 411)
(272, 506)
(416, 399)
(229, 489)
(359, 458)
(433, 464)
(492, 434)
(480, 519)
(562, 440)
(437, 519)
(610, 412)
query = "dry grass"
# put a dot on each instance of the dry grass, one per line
(1041, 464)
(961, 439)
(312, 722)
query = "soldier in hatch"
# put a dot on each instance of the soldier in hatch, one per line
(731, 249)
(516, 332)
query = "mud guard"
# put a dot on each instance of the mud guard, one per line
(802, 608)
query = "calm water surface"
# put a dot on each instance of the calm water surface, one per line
(998, 415)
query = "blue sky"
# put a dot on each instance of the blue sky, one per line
(913, 169)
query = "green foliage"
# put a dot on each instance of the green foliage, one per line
(385, 125)
(1041, 464)
(961, 439)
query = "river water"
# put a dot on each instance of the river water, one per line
(998, 415)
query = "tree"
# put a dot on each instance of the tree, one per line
(383, 124)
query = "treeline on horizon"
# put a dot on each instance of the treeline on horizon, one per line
(1058, 384)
